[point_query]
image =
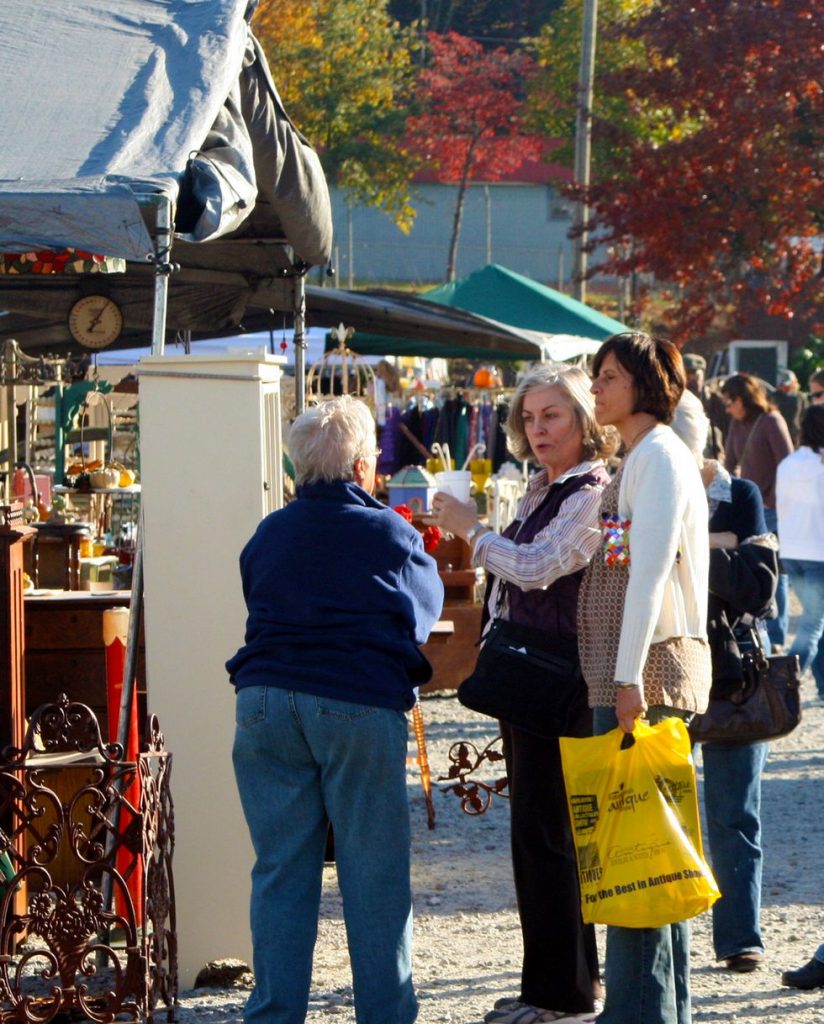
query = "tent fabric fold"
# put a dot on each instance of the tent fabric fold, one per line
(177, 103)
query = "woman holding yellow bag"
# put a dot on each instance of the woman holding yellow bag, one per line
(642, 622)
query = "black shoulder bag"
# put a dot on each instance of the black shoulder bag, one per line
(525, 678)
(522, 679)
(767, 705)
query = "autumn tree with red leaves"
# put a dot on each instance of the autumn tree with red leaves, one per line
(469, 123)
(721, 195)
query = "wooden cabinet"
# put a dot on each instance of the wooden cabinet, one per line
(65, 651)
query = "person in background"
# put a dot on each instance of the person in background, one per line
(713, 404)
(811, 974)
(742, 582)
(816, 387)
(339, 593)
(642, 618)
(800, 496)
(757, 440)
(541, 556)
(790, 401)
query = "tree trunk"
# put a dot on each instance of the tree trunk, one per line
(458, 216)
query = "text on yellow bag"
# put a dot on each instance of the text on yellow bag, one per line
(634, 813)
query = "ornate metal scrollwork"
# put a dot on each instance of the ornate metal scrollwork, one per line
(18, 367)
(87, 918)
(475, 794)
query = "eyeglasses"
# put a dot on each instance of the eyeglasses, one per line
(815, 395)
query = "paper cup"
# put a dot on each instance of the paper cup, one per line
(457, 482)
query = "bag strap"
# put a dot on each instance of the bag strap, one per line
(752, 432)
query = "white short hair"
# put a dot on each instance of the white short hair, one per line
(325, 441)
(690, 423)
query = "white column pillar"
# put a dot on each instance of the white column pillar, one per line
(210, 469)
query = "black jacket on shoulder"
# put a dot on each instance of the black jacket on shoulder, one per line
(742, 586)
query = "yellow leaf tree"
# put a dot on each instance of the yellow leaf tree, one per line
(344, 71)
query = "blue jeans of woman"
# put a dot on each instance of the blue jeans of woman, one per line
(818, 668)
(647, 975)
(777, 628)
(807, 578)
(302, 762)
(732, 799)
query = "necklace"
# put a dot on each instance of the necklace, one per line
(639, 435)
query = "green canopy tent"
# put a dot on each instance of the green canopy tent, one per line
(511, 298)
(560, 327)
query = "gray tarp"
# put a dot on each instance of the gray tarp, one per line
(106, 105)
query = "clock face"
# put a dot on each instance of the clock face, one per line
(95, 321)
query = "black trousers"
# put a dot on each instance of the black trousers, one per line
(560, 966)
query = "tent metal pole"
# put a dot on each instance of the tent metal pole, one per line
(300, 344)
(583, 138)
(163, 268)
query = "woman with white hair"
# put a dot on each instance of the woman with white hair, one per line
(340, 594)
(541, 557)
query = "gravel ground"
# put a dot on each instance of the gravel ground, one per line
(467, 938)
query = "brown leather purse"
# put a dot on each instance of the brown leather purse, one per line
(767, 706)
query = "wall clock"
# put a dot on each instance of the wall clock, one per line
(95, 321)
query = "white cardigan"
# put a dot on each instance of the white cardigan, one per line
(662, 493)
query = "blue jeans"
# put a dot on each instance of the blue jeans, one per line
(647, 975)
(302, 762)
(732, 798)
(777, 628)
(807, 578)
(818, 668)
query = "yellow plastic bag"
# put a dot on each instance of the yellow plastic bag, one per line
(634, 815)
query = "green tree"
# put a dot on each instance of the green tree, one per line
(552, 104)
(344, 70)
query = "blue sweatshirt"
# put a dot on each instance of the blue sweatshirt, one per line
(339, 594)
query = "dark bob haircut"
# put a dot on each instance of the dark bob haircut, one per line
(812, 428)
(750, 391)
(656, 368)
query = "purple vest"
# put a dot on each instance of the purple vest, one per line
(553, 610)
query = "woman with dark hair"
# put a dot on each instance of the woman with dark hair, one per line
(534, 571)
(800, 490)
(757, 440)
(642, 622)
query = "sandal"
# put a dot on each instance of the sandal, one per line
(523, 1013)
(516, 1012)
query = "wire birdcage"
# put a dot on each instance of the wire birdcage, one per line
(340, 371)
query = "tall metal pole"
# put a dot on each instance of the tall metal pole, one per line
(350, 249)
(583, 130)
(488, 212)
(163, 245)
(300, 345)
